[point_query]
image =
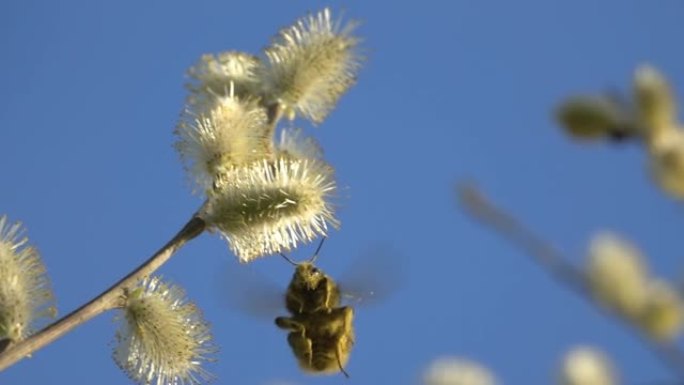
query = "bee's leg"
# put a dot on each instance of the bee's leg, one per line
(332, 298)
(331, 295)
(344, 314)
(302, 347)
(290, 324)
(339, 362)
(294, 304)
(348, 314)
(328, 289)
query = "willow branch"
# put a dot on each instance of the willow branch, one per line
(545, 255)
(109, 299)
(274, 112)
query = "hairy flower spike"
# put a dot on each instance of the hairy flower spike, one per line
(662, 315)
(617, 274)
(25, 293)
(666, 157)
(654, 100)
(294, 144)
(312, 63)
(215, 75)
(586, 366)
(233, 133)
(597, 117)
(457, 371)
(163, 338)
(269, 207)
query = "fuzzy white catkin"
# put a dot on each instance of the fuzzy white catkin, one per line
(596, 117)
(233, 133)
(666, 158)
(654, 100)
(457, 371)
(271, 207)
(294, 144)
(215, 75)
(310, 65)
(584, 365)
(162, 338)
(617, 274)
(25, 294)
(662, 316)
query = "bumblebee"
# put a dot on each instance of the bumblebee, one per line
(321, 331)
(321, 310)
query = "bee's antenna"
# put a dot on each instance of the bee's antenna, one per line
(288, 259)
(313, 257)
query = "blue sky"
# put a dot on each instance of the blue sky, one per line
(90, 93)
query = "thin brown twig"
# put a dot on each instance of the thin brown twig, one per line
(107, 300)
(497, 219)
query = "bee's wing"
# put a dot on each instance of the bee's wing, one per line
(245, 289)
(374, 275)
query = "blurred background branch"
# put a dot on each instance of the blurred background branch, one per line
(478, 207)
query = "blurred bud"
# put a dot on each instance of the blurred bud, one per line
(662, 315)
(457, 371)
(214, 76)
(312, 63)
(666, 153)
(270, 207)
(163, 338)
(25, 294)
(617, 274)
(654, 100)
(233, 133)
(586, 366)
(596, 117)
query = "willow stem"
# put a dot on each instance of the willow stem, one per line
(108, 300)
(555, 263)
(274, 112)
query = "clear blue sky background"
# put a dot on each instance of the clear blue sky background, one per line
(90, 93)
